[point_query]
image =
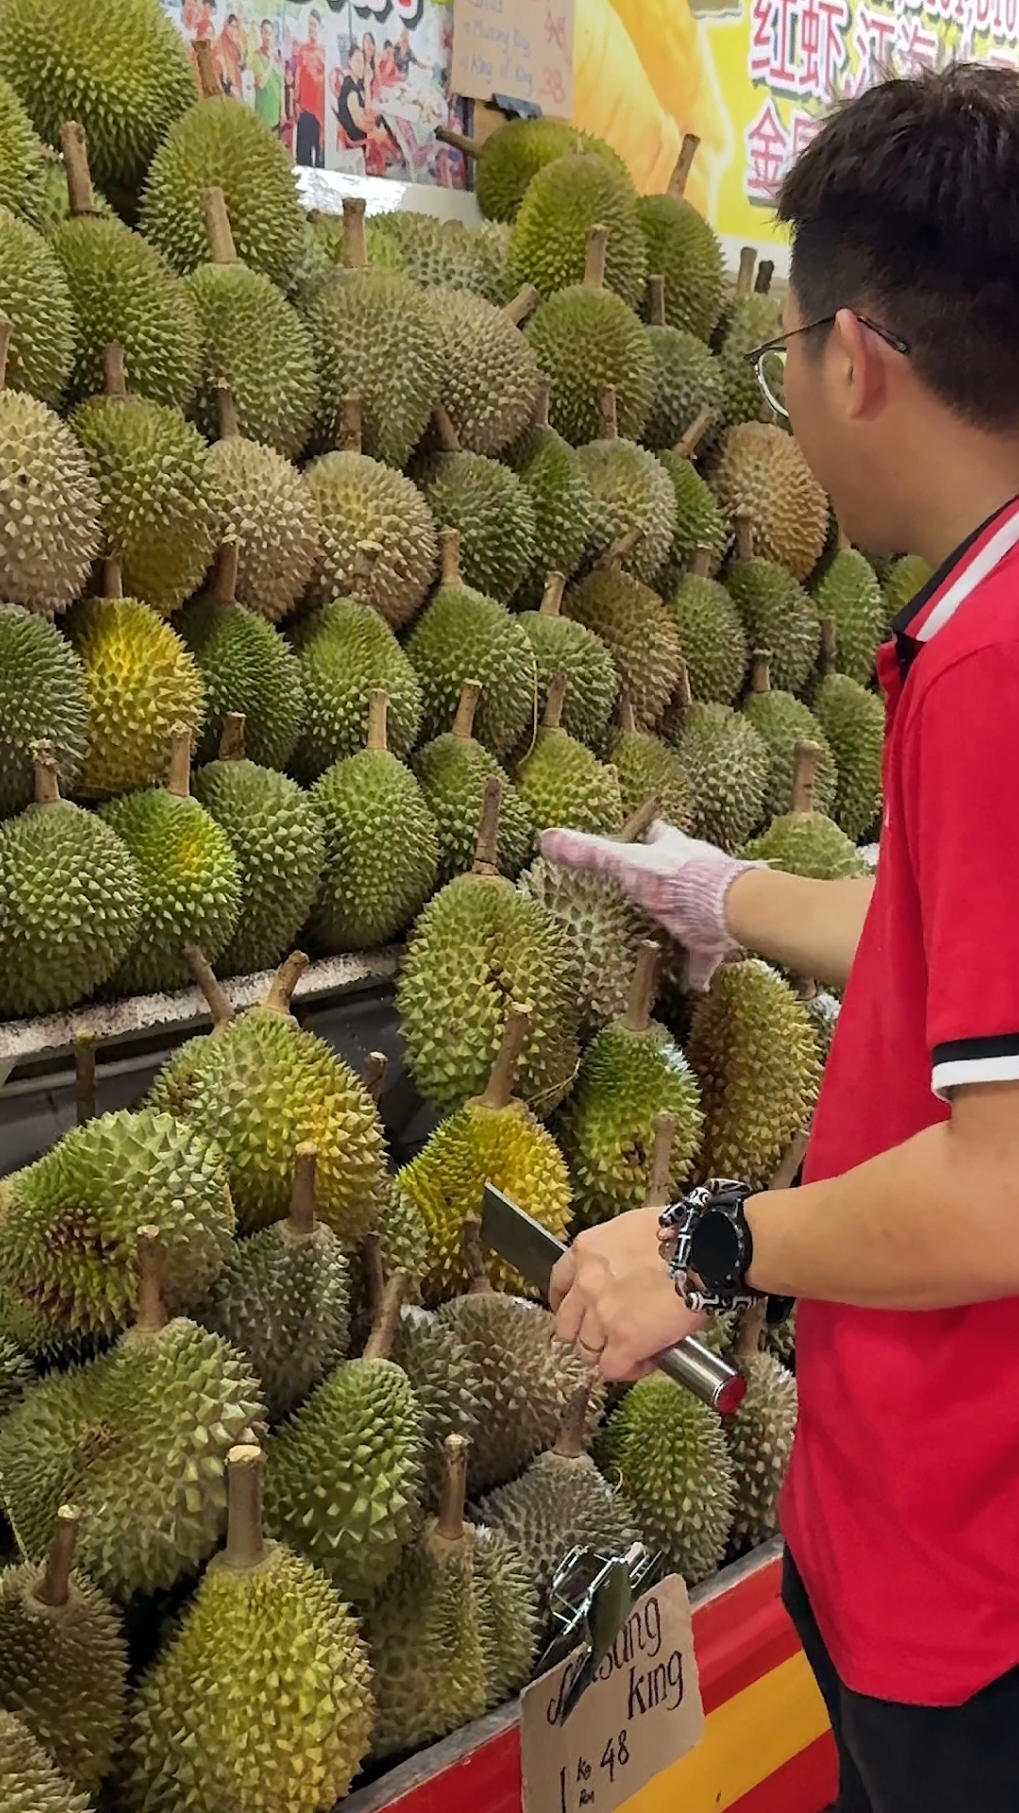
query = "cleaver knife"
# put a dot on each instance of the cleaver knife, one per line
(525, 1244)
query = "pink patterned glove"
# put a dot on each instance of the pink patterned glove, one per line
(680, 881)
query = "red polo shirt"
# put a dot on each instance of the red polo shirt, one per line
(902, 1505)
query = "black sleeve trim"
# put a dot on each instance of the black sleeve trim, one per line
(967, 1051)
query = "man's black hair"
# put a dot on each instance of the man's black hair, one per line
(906, 206)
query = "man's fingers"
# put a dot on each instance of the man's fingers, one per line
(591, 1339)
(578, 850)
(563, 1273)
(570, 1317)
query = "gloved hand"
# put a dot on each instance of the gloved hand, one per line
(679, 880)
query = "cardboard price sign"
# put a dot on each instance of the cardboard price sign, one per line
(641, 1714)
(522, 49)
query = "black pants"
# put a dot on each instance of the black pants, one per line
(309, 142)
(914, 1759)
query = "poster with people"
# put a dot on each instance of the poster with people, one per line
(357, 86)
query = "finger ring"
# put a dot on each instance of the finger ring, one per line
(595, 1352)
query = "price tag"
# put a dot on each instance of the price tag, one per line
(641, 1713)
(519, 48)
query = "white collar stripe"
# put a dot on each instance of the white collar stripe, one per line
(980, 566)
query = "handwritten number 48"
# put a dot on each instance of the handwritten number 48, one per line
(615, 1755)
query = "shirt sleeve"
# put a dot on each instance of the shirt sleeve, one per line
(961, 806)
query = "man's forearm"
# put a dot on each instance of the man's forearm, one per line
(812, 927)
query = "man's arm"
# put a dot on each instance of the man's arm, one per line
(812, 927)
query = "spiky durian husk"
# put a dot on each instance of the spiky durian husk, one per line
(47, 549)
(666, 1452)
(760, 1436)
(562, 646)
(63, 1671)
(647, 769)
(445, 1383)
(346, 653)
(403, 1247)
(190, 882)
(358, 501)
(35, 299)
(564, 200)
(246, 666)
(607, 1126)
(42, 699)
(508, 1605)
(728, 767)
(262, 1698)
(853, 721)
(124, 293)
(603, 930)
(778, 616)
(849, 592)
(908, 574)
(632, 493)
(438, 1682)
(684, 250)
(559, 1503)
(382, 851)
(781, 722)
(562, 783)
(687, 380)
(762, 472)
(343, 1477)
(517, 150)
(464, 635)
(141, 683)
(563, 506)
(268, 512)
(585, 341)
(711, 639)
(277, 839)
(452, 771)
(808, 843)
(699, 521)
(377, 336)
(491, 509)
(16, 1374)
(639, 633)
(255, 342)
(31, 1784)
(747, 322)
(489, 371)
(19, 153)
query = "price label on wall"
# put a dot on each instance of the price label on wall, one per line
(641, 1714)
(519, 48)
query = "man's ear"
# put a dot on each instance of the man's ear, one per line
(859, 366)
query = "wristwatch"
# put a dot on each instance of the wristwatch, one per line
(708, 1247)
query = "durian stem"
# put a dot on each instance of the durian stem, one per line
(449, 440)
(281, 988)
(380, 1342)
(459, 141)
(686, 449)
(639, 821)
(552, 596)
(217, 226)
(453, 1491)
(152, 1314)
(555, 701)
(55, 1586)
(47, 774)
(523, 304)
(541, 397)
(113, 578)
(607, 412)
(478, 1282)
(351, 425)
(245, 1543)
(355, 246)
(661, 1162)
(301, 1215)
(215, 995)
(751, 1328)
(805, 760)
(641, 998)
(80, 193)
(486, 850)
(231, 743)
(627, 721)
(366, 555)
(791, 1160)
(502, 1079)
(179, 772)
(375, 1276)
(378, 712)
(760, 676)
(842, 540)
(682, 698)
(5, 346)
(620, 550)
(224, 590)
(829, 656)
(449, 542)
(467, 705)
(745, 277)
(85, 1093)
(656, 301)
(700, 565)
(570, 1442)
(594, 258)
(115, 373)
(227, 419)
(744, 527)
(684, 164)
(373, 1076)
(208, 80)
(765, 273)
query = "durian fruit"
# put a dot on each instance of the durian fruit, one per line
(254, 341)
(190, 881)
(907, 576)
(493, 1139)
(761, 473)
(436, 253)
(527, 1377)
(382, 846)
(122, 292)
(217, 144)
(477, 946)
(638, 632)
(560, 498)
(687, 379)
(753, 317)
(360, 502)
(777, 613)
(34, 298)
(141, 682)
(49, 502)
(346, 652)
(29, 1781)
(586, 338)
(562, 646)
(666, 1453)
(140, 1439)
(262, 1697)
(277, 839)
(63, 1659)
(343, 1477)
(19, 152)
(802, 840)
(727, 762)
(648, 768)
(465, 634)
(699, 521)
(685, 249)
(562, 783)
(635, 505)
(782, 723)
(283, 1298)
(491, 510)
(72, 900)
(853, 721)
(377, 336)
(16, 1374)
(563, 201)
(712, 639)
(631, 1075)
(514, 153)
(452, 771)
(259, 1087)
(760, 1435)
(752, 1046)
(849, 592)
(42, 699)
(559, 1503)
(247, 666)
(489, 371)
(160, 495)
(824, 1009)
(68, 1247)
(268, 513)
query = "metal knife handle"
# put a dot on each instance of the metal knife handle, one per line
(706, 1374)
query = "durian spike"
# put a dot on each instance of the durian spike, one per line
(684, 164)
(765, 273)
(541, 399)
(375, 1274)
(5, 346)
(366, 555)
(570, 1443)
(74, 145)
(231, 743)
(378, 712)
(661, 1162)
(641, 998)
(523, 304)
(178, 775)
(594, 258)
(468, 147)
(486, 850)
(760, 673)
(552, 596)
(656, 301)
(449, 1523)
(55, 1586)
(805, 759)
(215, 995)
(217, 225)
(607, 412)
(449, 542)
(374, 1074)
(686, 449)
(752, 1324)
(85, 1094)
(502, 1080)
(115, 373)
(224, 588)
(791, 1160)
(152, 1313)
(301, 1214)
(700, 565)
(639, 821)
(355, 246)
(467, 705)
(745, 277)
(245, 1542)
(827, 660)
(557, 689)
(281, 988)
(227, 420)
(479, 1283)
(384, 1324)
(744, 526)
(113, 577)
(208, 79)
(351, 425)
(627, 721)
(47, 774)
(445, 429)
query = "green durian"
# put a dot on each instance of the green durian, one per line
(30, 1781)
(777, 613)
(727, 762)
(269, 514)
(491, 510)
(782, 723)
(489, 371)
(635, 505)
(49, 503)
(447, 253)
(685, 250)
(560, 497)
(687, 378)
(601, 929)
(712, 639)
(247, 666)
(378, 539)
(760, 1437)
(452, 771)
(509, 1628)
(19, 152)
(514, 153)
(639, 633)
(564, 647)
(907, 576)
(42, 699)
(587, 339)
(35, 299)
(562, 783)
(16, 1374)
(649, 769)
(346, 652)
(751, 317)
(761, 473)
(666, 1453)
(462, 635)
(802, 840)
(699, 521)
(563, 202)
(850, 594)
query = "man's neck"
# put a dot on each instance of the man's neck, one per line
(973, 477)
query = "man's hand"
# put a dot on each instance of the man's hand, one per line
(614, 1300)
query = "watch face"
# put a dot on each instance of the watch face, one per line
(716, 1252)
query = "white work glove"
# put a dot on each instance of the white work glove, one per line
(680, 881)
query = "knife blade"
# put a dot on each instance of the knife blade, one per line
(509, 1231)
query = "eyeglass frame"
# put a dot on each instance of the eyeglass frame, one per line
(780, 345)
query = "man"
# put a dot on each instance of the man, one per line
(310, 97)
(267, 73)
(901, 380)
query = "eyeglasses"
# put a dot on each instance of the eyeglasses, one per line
(768, 360)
